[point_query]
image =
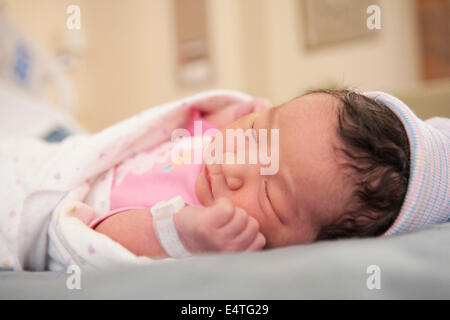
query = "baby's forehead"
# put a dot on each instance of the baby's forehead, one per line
(308, 140)
(313, 115)
(314, 104)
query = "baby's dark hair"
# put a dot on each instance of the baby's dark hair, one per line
(377, 160)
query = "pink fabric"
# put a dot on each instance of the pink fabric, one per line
(151, 176)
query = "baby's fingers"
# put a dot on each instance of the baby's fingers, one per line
(246, 237)
(258, 243)
(220, 213)
(236, 225)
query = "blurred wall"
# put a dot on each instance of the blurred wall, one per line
(132, 52)
(386, 61)
(256, 46)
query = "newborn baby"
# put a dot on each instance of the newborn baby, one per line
(344, 165)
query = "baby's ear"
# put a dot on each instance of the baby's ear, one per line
(82, 211)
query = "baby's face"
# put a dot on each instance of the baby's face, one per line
(306, 193)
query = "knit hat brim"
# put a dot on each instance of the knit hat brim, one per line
(427, 197)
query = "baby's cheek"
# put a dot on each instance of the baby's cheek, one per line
(251, 207)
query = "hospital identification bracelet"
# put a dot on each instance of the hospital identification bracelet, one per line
(164, 226)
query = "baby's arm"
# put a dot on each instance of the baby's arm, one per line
(133, 229)
(219, 228)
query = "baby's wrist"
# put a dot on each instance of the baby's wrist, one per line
(165, 229)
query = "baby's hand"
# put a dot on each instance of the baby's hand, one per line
(219, 228)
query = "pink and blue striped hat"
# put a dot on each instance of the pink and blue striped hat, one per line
(427, 199)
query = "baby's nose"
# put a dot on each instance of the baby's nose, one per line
(234, 183)
(233, 172)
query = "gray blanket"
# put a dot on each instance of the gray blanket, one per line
(410, 266)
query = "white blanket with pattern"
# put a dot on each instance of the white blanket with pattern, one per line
(40, 183)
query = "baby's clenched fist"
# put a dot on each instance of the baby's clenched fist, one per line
(221, 227)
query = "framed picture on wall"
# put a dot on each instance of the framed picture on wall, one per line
(193, 60)
(434, 28)
(334, 21)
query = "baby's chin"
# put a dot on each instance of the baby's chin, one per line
(202, 190)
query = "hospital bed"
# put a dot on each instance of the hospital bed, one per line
(410, 266)
(24, 115)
